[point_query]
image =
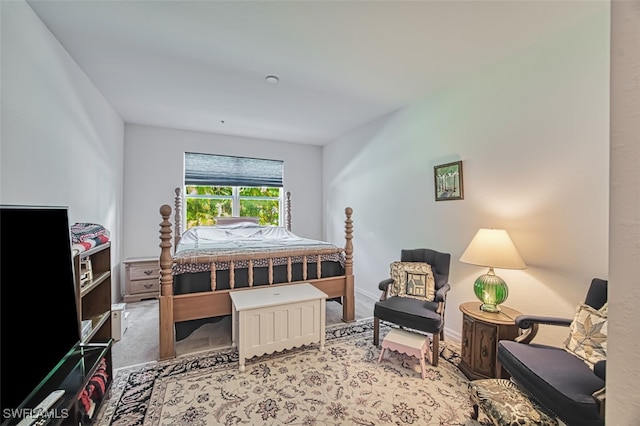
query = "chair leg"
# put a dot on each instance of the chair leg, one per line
(376, 331)
(442, 334)
(435, 352)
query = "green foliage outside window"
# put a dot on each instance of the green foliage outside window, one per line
(205, 203)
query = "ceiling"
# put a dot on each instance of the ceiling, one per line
(201, 65)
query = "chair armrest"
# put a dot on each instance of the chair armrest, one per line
(530, 323)
(441, 293)
(527, 321)
(384, 287)
(384, 284)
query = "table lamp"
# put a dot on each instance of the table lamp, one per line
(494, 249)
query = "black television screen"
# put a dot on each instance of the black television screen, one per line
(38, 310)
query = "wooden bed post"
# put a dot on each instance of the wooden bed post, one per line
(177, 220)
(167, 338)
(348, 305)
(287, 210)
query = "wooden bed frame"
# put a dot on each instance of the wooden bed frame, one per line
(213, 303)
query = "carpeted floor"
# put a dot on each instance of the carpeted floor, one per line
(344, 384)
(140, 342)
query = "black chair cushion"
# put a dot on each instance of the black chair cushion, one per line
(559, 380)
(409, 312)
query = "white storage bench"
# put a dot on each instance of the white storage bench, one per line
(275, 318)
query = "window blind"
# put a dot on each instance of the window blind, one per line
(224, 170)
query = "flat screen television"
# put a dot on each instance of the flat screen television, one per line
(38, 311)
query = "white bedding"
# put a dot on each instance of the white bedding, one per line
(241, 238)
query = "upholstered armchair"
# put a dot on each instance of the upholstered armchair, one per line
(415, 311)
(569, 380)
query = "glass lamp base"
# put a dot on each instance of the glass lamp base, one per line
(489, 308)
(491, 290)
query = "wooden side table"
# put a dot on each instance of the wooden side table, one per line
(481, 332)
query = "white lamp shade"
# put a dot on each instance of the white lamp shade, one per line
(493, 248)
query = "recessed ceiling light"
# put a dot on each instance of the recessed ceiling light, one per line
(272, 79)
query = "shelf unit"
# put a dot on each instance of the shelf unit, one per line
(93, 292)
(93, 289)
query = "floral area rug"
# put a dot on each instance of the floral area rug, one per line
(344, 384)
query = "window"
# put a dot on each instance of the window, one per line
(219, 185)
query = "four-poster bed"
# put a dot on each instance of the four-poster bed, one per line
(241, 255)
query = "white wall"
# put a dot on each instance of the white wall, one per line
(532, 133)
(153, 168)
(62, 142)
(623, 357)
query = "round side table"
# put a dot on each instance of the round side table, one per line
(481, 332)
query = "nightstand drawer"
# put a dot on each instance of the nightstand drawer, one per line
(144, 271)
(144, 286)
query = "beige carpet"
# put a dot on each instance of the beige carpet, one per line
(344, 384)
(139, 343)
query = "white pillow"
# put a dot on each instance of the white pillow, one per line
(588, 334)
(197, 234)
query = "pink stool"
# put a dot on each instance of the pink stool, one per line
(406, 342)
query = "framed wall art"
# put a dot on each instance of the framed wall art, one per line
(448, 181)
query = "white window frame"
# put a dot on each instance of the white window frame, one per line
(235, 201)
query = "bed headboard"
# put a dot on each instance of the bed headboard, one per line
(233, 220)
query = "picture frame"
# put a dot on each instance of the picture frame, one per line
(448, 181)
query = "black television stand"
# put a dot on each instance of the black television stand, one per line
(85, 365)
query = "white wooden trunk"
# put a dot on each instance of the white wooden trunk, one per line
(272, 319)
